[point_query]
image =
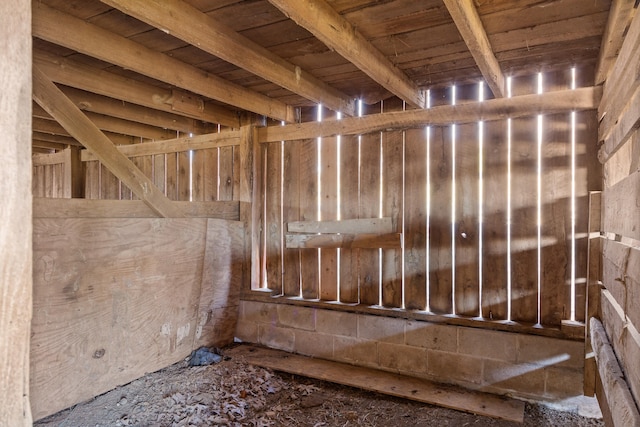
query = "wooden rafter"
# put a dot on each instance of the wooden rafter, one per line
(75, 74)
(620, 14)
(213, 36)
(73, 33)
(337, 33)
(49, 97)
(467, 20)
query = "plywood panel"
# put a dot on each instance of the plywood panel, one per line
(119, 304)
(219, 297)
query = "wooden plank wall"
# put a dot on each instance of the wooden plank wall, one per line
(133, 296)
(410, 176)
(620, 154)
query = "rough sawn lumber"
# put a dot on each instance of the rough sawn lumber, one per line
(386, 382)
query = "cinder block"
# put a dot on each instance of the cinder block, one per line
(431, 335)
(276, 337)
(356, 351)
(296, 317)
(563, 383)
(380, 328)
(487, 344)
(524, 379)
(550, 351)
(313, 344)
(337, 323)
(247, 331)
(453, 367)
(260, 312)
(402, 358)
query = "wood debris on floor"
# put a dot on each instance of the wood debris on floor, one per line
(237, 393)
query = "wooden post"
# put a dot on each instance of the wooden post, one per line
(15, 214)
(73, 173)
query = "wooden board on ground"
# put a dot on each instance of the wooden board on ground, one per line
(385, 382)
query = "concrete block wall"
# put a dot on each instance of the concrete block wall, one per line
(526, 366)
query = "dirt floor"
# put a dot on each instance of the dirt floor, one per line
(234, 393)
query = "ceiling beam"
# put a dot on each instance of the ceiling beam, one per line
(116, 125)
(52, 127)
(87, 101)
(57, 139)
(211, 35)
(620, 15)
(78, 75)
(318, 17)
(65, 30)
(465, 16)
(49, 97)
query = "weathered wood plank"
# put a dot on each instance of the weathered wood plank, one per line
(171, 171)
(354, 226)
(495, 109)
(198, 142)
(440, 279)
(16, 270)
(369, 207)
(48, 159)
(620, 14)
(366, 241)
(225, 173)
(183, 186)
(93, 208)
(349, 152)
(623, 129)
(621, 207)
(273, 218)
(495, 218)
(415, 257)
(329, 211)
(309, 262)
(467, 233)
(290, 215)
(387, 383)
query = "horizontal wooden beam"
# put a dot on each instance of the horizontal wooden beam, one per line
(46, 146)
(467, 20)
(177, 145)
(621, 207)
(48, 159)
(494, 109)
(338, 34)
(78, 75)
(58, 139)
(368, 241)
(353, 226)
(623, 128)
(94, 208)
(117, 125)
(60, 28)
(212, 35)
(49, 97)
(51, 127)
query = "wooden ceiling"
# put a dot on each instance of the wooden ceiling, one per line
(148, 69)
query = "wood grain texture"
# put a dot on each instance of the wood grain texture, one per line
(15, 188)
(349, 188)
(273, 219)
(329, 211)
(309, 261)
(387, 383)
(95, 326)
(290, 215)
(621, 207)
(344, 240)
